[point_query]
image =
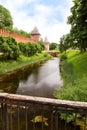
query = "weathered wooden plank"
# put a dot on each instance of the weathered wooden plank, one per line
(44, 101)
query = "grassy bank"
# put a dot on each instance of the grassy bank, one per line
(10, 65)
(74, 73)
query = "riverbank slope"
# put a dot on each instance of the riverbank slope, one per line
(10, 65)
(74, 73)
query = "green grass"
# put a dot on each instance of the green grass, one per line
(10, 65)
(74, 76)
(79, 61)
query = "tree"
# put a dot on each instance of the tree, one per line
(30, 49)
(14, 48)
(41, 45)
(9, 47)
(65, 42)
(53, 46)
(78, 21)
(2, 39)
(22, 47)
(6, 50)
(5, 19)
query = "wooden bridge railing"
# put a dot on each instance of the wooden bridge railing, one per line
(54, 54)
(19, 112)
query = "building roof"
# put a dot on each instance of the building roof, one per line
(35, 31)
(46, 40)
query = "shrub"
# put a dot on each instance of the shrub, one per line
(9, 47)
(63, 57)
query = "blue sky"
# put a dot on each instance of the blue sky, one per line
(49, 16)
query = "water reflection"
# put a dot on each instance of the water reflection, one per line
(35, 80)
(42, 81)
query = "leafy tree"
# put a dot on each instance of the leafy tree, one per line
(6, 50)
(9, 47)
(15, 51)
(5, 19)
(53, 46)
(65, 42)
(30, 49)
(2, 40)
(41, 43)
(40, 46)
(22, 47)
(78, 21)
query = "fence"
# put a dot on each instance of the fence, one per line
(19, 112)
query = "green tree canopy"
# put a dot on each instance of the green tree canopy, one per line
(78, 21)
(53, 46)
(9, 47)
(63, 45)
(5, 19)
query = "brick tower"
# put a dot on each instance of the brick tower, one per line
(35, 35)
(46, 43)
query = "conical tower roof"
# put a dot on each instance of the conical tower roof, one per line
(46, 40)
(35, 31)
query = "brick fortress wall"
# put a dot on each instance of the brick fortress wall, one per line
(17, 37)
(35, 38)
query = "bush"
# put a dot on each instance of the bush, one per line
(30, 49)
(9, 47)
(11, 50)
(63, 57)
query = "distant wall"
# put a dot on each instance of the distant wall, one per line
(17, 37)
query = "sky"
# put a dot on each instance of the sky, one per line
(49, 16)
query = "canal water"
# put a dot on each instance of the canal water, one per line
(39, 80)
(43, 81)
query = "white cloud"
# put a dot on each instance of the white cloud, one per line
(44, 17)
(56, 31)
(44, 10)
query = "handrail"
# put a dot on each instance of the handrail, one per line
(17, 109)
(45, 101)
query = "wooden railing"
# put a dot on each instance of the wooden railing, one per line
(54, 54)
(19, 112)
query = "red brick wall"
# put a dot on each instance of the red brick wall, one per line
(17, 37)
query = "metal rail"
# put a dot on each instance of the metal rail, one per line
(19, 112)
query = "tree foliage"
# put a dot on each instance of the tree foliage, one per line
(9, 47)
(65, 42)
(5, 19)
(12, 50)
(30, 49)
(78, 21)
(53, 46)
(77, 38)
(21, 32)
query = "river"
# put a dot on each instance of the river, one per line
(38, 81)
(42, 81)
